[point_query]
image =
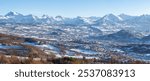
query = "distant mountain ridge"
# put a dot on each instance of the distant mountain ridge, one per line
(109, 23)
(122, 18)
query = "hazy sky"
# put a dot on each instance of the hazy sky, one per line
(72, 8)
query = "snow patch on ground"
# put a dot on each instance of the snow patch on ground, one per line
(84, 51)
(48, 46)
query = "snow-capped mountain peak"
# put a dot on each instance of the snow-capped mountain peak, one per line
(45, 16)
(111, 17)
(30, 16)
(59, 18)
(12, 14)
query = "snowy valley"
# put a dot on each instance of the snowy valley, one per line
(107, 39)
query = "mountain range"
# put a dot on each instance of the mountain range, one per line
(108, 24)
(109, 21)
(120, 34)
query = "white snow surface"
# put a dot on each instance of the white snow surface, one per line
(84, 51)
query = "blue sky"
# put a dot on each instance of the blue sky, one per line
(73, 8)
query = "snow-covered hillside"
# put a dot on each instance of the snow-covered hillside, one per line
(87, 36)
